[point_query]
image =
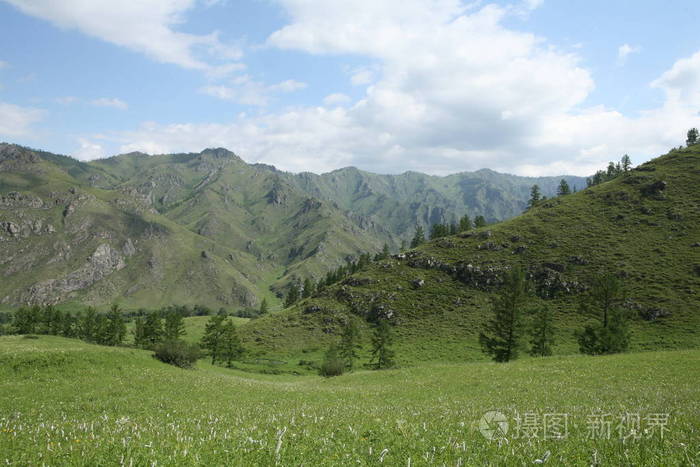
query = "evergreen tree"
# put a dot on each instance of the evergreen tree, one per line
(563, 188)
(438, 231)
(418, 237)
(308, 288)
(174, 326)
(333, 364)
(542, 333)
(465, 223)
(153, 330)
(212, 340)
(453, 228)
(504, 331)
(480, 221)
(349, 344)
(535, 196)
(382, 255)
(114, 330)
(25, 320)
(264, 308)
(231, 348)
(87, 325)
(404, 245)
(626, 163)
(603, 302)
(293, 293)
(692, 137)
(139, 331)
(382, 340)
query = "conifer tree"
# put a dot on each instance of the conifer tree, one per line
(213, 337)
(293, 293)
(418, 237)
(480, 221)
(563, 188)
(692, 137)
(349, 344)
(114, 330)
(231, 348)
(535, 195)
(308, 288)
(626, 163)
(542, 332)
(264, 308)
(382, 340)
(174, 326)
(502, 334)
(603, 302)
(465, 223)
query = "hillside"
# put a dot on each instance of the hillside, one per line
(208, 228)
(644, 226)
(71, 403)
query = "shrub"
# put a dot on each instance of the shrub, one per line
(178, 353)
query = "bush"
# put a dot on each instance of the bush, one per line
(178, 353)
(332, 364)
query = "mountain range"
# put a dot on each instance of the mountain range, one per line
(208, 228)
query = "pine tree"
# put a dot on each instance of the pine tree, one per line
(114, 329)
(626, 163)
(153, 330)
(504, 331)
(231, 348)
(308, 288)
(87, 325)
(465, 223)
(174, 326)
(293, 294)
(542, 333)
(264, 308)
(349, 344)
(333, 364)
(213, 335)
(563, 188)
(480, 221)
(603, 302)
(418, 237)
(25, 320)
(692, 137)
(382, 340)
(535, 196)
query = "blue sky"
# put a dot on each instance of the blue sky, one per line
(529, 87)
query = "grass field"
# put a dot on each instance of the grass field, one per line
(65, 402)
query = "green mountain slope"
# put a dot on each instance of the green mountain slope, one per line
(207, 227)
(644, 226)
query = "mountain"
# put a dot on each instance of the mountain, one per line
(643, 226)
(208, 228)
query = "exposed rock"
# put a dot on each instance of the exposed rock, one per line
(652, 314)
(70, 209)
(13, 157)
(358, 281)
(417, 283)
(129, 248)
(103, 262)
(646, 210)
(515, 239)
(312, 309)
(695, 245)
(520, 250)
(655, 189)
(554, 266)
(15, 199)
(11, 228)
(579, 260)
(486, 234)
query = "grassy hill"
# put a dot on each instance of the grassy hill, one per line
(208, 228)
(70, 403)
(643, 226)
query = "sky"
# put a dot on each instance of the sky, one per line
(530, 87)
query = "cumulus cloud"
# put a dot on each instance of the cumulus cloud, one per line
(245, 90)
(452, 89)
(17, 121)
(88, 150)
(112, 102)
(145, 27)
(624, 51)
(334, 99)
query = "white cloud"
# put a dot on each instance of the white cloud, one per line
(17, 121)
(66, 100)
(624, 51)
(245, 90)
(362, 76)
(3, 64)
(112, 102)
(88, 150)
(453, 89)
(335, 99)
(143, 26)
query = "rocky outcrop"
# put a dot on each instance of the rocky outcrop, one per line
(103, 262)
(15, 199)
(13, 157)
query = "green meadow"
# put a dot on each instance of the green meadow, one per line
(65, 402)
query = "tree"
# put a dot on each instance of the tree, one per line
(148, 330)
(382, 255)
(26, 319)
(174, 326)
(542, 333)
(382, 340)
(418, 237)
(610, 334)
(230, 348)
(349, 344)
(264, 308)
(692, 137)
(293, 295)
(535, 196)
(480, 221)
(213, 335)
(88, 326)
(114, 329)
(438, 231)
(333, 364)
(502, 334)
(563, 188)
(308, 289)
(465, 223)
(626, 163)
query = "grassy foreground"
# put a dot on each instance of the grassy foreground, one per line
(65, 402)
